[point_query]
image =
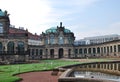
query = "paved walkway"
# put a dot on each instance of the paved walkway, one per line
(44, 76)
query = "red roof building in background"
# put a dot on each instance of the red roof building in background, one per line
(21, 30)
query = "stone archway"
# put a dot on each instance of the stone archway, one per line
(52, 53)
(61, 52)
(10, 47)
(69, 53)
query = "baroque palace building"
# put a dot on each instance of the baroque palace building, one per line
(19, 45)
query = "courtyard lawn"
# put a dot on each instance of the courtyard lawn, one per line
(7, 71)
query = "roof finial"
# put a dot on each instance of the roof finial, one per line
(60, 24)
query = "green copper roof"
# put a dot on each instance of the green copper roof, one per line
(54, 30)
(51, 30)
(2, 13)
(67, 31)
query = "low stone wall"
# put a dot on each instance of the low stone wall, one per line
(12, 59)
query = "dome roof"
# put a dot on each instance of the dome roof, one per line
(51, 30)
(67, 31)
(2, 13)
(54, 30)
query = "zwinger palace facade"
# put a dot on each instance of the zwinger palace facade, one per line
(18, 44)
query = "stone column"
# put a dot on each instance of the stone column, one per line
(66, 53)
(109, 66)
(91, 51)
(100, 66)
(72, 53)
(103, 66)
(56, 55)
(48, 54)
(91, 65)
(96, 66)
(119, 66)
(116, 66)
(113, 66)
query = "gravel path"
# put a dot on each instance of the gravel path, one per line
(44, 76)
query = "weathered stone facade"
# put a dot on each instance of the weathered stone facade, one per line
(18, 45)
(57, 42)
(109, 49)
(51, 48)
(13, 46)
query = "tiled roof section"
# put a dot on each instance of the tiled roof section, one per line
(17, 30)
(22, 31)
(33, 36)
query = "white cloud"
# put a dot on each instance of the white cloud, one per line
(27, 13)
(39, 15)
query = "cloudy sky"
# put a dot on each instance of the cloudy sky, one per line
(85, 18)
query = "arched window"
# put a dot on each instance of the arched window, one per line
(98, 50)
(46, 41)
(118, 48)
(10, 47)
(33, 51)
(51, 39)
(69, 52)
(69, 40)
(94, 50)
(41, 53)
(76, 51)
(20, 47)
(107, 49)
(104, 49)
(1, 28)
(36, 51)
(61, 41)
(1, 47)
(111, 50)
(80, 51)
(89, 50)
(52, 53)
(114, 48)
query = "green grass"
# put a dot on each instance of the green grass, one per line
(7, 71)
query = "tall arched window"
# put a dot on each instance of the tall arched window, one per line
(41, 53)
(1, 47)
(51, 39)
(1, 28)
(94, 50)
(89, 50)
(10, 47)
(69, 40)
(61, 41)
(69, 52)
(46, 41)
(20, 47)
(98, 50)
(80, 51)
